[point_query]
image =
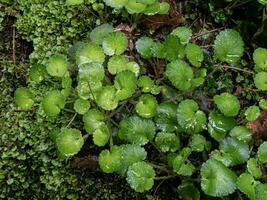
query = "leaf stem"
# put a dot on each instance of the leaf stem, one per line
(164, 177)
(72, 119)
(235, 68)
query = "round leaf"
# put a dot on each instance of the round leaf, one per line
(146, 106)
(241, 133)
(69, 142)
(260, 81)
(106, 98)
(190, 118)
(219, 125)
(260, 58)
(252, 113)
(262, 153)
(125, 84)
(167, 142)
(183, 33)
(37, 73)
(194, 54)
(81, 106)
(115, 43)
(110, 161)
(229, 46)
(53, 102)
(180, 74)
(101, 135)
(98, 34)
(93, 120)
(216, 179)
(141, 176)
(24, 98)
(137, 130)
(228, 104)
(89, 52)
(235, 150)
(57, 66)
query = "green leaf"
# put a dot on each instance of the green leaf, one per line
(252, 113)
(66, 83)
(134, 7)
(194, 54)
(190, 118)
(253, 168)
(166, 118)
(81, 106)
(89, 52)
(229, 46)
(261, 191)
(164, 8)
(131, 154)
(115, 43)
(186, 169)
(157, 50)
(116, 3)
(228, 104)
(179, 160)
(106, 98)
(93, 120)
(53, 102)
(57, 65)
(263, 104)
(183, 33)
(180, 74)
(260, 81)
(246, 184)
(137, 130)
(120, 158)
(38, 73)
(69, 142)
(152, 9)
(218, 155)
(216, 179)
(188, 191)
(140, 176)
(260, 58)
(110, 161)
(241, 133)
(74, 2)
(99, 33)
(167, 142)
(173, 49)
(198, 143)
(147, 2)
(263, 2)
(87, 89)
(146, 83)
(219, 125)
(144, 47)
(101, 135)
(125, 84)
(24, 98)
(120, 63)
(262, 153)
(91, 71)
(117, 64)
(235, 150)
(146, 106)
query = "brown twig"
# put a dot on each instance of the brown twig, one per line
(14, 45)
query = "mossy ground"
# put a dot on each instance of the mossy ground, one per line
(29, 165)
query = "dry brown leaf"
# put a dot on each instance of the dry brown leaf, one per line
(90, 162)
(259, 126)
(156, 21)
